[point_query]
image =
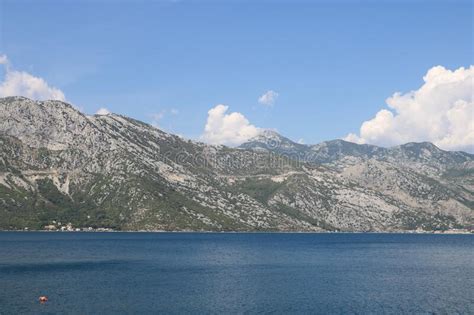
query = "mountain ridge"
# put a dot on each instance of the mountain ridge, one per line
(59, 165)
(273, 143)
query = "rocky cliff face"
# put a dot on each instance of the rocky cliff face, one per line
(57, 164)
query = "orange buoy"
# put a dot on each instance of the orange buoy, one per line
(43, 299)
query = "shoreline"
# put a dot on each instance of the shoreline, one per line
(447, 232)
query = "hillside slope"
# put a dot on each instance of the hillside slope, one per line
(58, 165)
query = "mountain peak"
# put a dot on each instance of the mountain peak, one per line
(266, 135)
(269, 140)
(9, 99)
(51, 124)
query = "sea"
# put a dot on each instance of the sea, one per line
(236, 273)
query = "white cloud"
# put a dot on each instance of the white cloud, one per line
(103, 111)
(156, 118)
(229, 129)
(174, 111)
(20, 83)
(352, 137)
(268, 98)
(4, 60)
(440, 111)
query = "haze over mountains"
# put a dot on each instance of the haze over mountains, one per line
(57, 164)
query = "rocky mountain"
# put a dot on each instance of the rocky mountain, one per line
(110, 171)
(339, 150)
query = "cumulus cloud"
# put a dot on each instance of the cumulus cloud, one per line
(20, 83)
(103, 111)
(268, 98)
(440, 111)
(352, 137)
(227, 128)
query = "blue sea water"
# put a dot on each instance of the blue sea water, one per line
(228, 273)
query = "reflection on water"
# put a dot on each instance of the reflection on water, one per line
(112, 273)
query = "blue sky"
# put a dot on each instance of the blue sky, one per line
(332, 63)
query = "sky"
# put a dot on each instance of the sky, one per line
(381, 72)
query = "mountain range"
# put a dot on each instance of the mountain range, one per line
(58, 165)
